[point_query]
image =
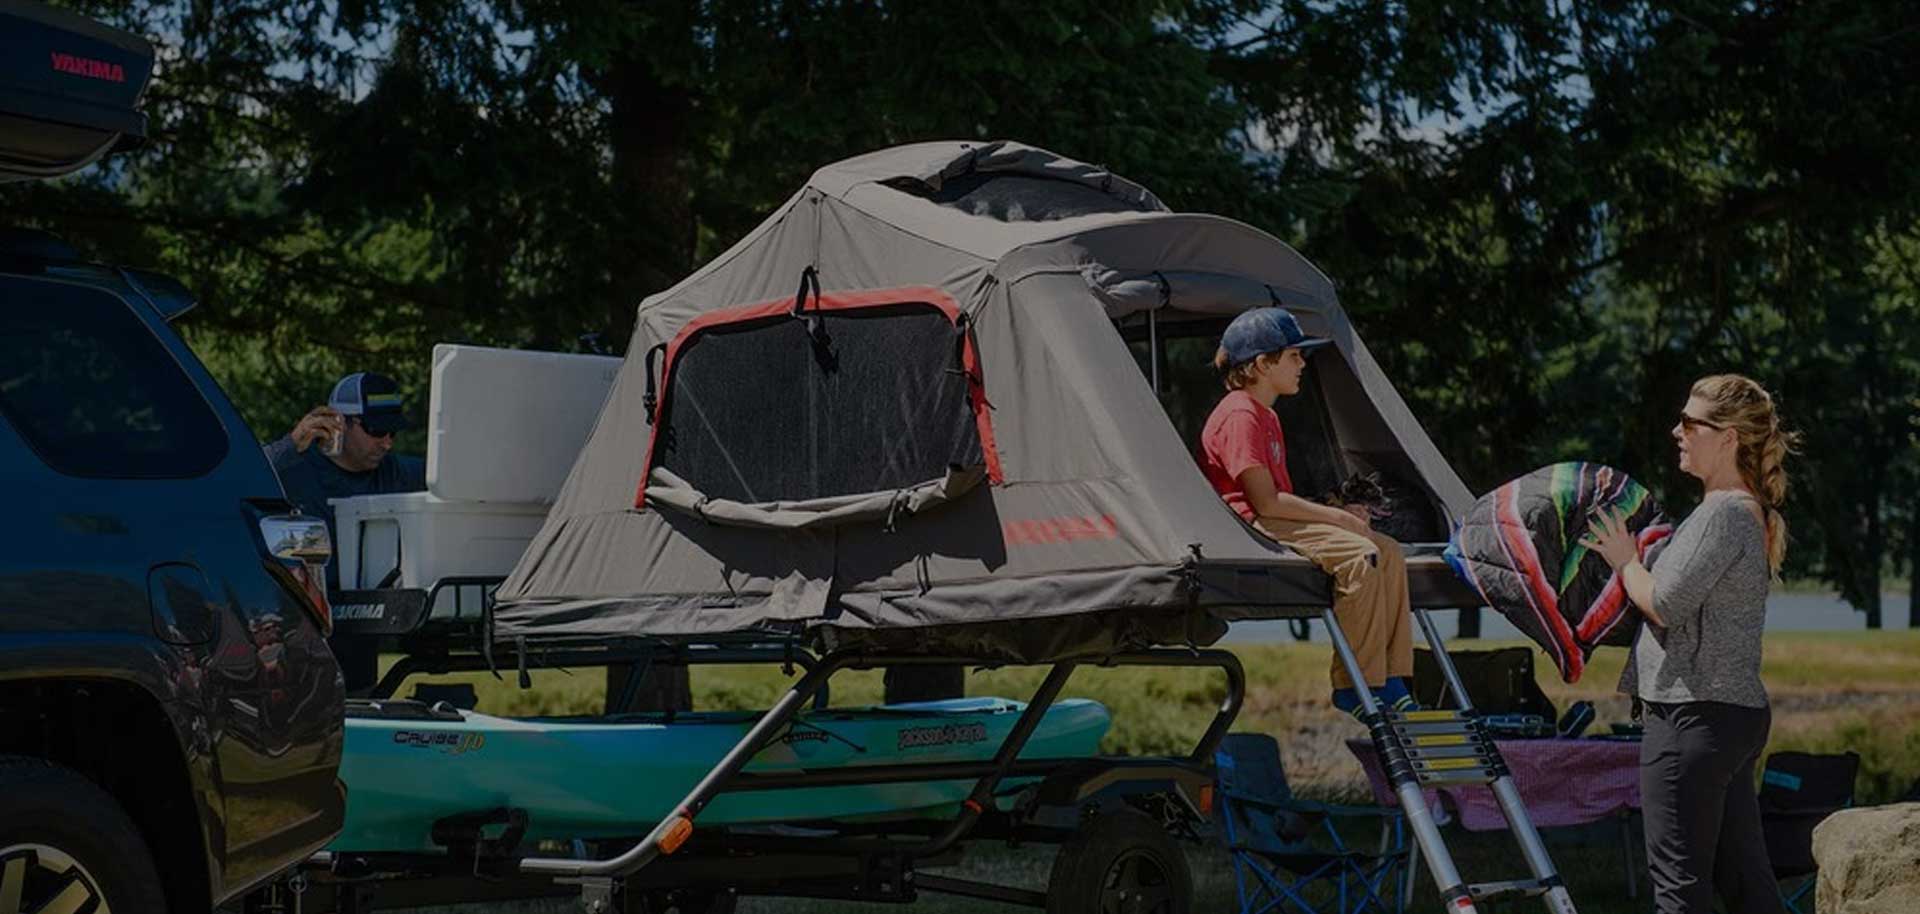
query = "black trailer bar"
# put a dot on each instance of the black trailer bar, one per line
(727, 776)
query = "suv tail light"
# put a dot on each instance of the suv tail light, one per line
(300, 548)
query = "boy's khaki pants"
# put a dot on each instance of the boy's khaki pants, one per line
(1370, 599)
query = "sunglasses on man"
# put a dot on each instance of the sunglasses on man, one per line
(370, 432)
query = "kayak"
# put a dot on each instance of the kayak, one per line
(407, 765)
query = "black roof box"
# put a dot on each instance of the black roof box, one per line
(69, 89)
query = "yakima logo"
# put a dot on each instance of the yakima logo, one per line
(89, 68)
(360, 611)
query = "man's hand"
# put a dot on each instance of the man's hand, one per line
(322, 423)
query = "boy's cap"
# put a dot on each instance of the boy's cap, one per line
(372, 397)
(1262, 330)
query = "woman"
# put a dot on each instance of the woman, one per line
(1695, 667)
(1243, 452)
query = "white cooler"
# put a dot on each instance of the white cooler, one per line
(504, 427)
(430, 539)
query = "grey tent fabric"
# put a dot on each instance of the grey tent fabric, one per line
(1095, 530)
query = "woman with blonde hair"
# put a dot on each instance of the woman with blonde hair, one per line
(1694, 672)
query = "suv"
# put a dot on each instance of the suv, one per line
(170, 715)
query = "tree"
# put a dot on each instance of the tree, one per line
(1547, 219)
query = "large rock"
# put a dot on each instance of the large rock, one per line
(1869, 860)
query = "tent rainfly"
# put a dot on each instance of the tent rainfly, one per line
(944, 442)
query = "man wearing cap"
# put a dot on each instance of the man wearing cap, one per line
(341, 450)
(1243, 451)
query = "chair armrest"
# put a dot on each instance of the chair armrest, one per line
(1307, 812)
(1342, 811)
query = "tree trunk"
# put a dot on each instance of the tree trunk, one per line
(649, 128)
(1875, 548)
(924, 683)
(1913, 566)
(662, 688)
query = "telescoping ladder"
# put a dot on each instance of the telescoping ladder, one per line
(1423, 749)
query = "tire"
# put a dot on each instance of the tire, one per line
(692, 901)
(62, 837)
(1120, 863)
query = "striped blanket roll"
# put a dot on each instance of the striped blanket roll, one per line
(1519, 547)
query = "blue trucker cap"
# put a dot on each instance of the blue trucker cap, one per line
(372, 397)
(1263, 330)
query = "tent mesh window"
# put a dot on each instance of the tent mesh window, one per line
(874, 399)
(1190, 388)
(1019, 198)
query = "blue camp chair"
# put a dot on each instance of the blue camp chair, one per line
(1282, 846)
(1797, 791)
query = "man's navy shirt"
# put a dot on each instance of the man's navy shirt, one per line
(311, 478)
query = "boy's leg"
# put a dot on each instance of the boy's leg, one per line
(1351, 560)
(1399, 606)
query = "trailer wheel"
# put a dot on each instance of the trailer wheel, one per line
(65, 845)
(692, 901)
(1120, 863)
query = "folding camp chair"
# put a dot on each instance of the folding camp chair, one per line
(1281, 846)
(1797, 791)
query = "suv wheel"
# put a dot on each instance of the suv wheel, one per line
(65, 845)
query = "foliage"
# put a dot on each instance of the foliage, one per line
(1546, 219)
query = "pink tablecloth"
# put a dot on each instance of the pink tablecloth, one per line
(1562, 781)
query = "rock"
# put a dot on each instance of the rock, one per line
(1869, 860)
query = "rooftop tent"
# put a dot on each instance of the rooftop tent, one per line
(904, 411)
(69, 90)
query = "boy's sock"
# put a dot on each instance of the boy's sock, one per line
(1347, 700)
(1397, 696)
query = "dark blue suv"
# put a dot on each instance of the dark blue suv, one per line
(170, 715)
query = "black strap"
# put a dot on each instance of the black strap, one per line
(809, 278)
(816, 325)
(652, 399)
(1274, 297)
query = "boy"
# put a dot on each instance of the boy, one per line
(1243, 452)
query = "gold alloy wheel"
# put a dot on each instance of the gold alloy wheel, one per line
(38, 879)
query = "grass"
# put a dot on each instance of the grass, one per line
(1856, 691)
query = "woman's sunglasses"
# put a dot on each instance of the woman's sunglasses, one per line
(1691, 424)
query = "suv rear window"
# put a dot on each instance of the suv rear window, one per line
(93, 392)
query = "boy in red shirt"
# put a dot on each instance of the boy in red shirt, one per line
(1243, 452)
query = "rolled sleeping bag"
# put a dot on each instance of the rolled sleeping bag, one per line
(1519, 548)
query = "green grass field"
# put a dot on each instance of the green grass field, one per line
(1857, 691)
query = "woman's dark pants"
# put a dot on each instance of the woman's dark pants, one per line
(1702, 817)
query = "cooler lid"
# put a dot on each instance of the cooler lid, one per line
(69, 89)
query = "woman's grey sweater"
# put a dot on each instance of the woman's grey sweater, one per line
(1710, 585)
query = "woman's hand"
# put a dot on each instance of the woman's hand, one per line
(1607, 534)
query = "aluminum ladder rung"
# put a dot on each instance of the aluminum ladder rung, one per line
(1445, 752)
(1419, 731)
(1510, 889)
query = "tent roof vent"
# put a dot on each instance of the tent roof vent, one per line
(1011, 197)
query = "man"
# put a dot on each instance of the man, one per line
(341, 450)
(1244, 455)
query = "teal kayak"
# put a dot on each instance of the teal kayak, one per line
(406, 765)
